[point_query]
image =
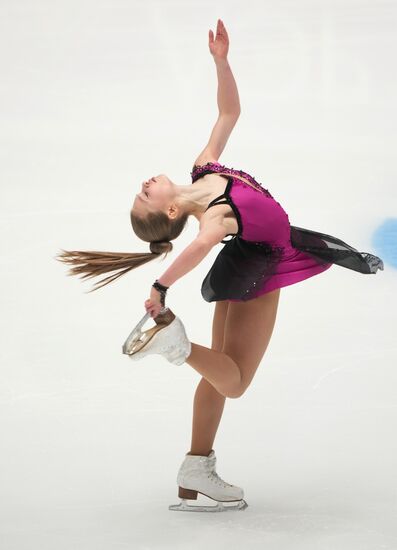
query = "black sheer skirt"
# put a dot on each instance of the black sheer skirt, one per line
(329, 249)
(242, 267)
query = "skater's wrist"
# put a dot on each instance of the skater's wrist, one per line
(160, 286)
(162, 289)
(221, 62)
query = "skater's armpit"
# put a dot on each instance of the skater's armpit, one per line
(188, 259)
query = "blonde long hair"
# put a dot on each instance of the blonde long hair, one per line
(156, 228)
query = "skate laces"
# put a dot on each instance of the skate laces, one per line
(212, 474)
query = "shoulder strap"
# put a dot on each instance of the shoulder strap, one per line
(218, 200)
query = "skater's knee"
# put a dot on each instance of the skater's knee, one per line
(236, 392)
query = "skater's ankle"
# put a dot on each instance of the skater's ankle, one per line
(196, 452)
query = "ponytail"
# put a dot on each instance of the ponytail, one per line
(155, 228)
(93, 264)
(160, 247)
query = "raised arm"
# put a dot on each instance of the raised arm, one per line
(229, 111)
(227, 98)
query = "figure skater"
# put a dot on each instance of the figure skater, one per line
(264, 254)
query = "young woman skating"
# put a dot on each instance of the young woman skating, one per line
(264, 254)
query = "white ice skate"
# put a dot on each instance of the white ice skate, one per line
(197, 474)
(167, 338)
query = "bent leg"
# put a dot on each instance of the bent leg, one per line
(218, 368)
(248, 329)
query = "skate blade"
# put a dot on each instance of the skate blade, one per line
(183, 506)
(135, 334)
(140, 344)
(134, 341)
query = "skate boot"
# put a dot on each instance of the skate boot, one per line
(167, 338)
(197, 474)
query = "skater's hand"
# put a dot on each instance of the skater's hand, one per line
(220, 46)
(153, 304)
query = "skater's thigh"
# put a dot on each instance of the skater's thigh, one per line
(218, 324)
(248, 329)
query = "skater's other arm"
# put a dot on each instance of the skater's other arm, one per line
(193, 254)
(227, 97)
(229, 112)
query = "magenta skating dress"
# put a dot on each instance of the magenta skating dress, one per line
(267, 252)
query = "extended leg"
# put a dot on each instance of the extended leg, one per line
(194, 477)
(207, 413)
(208, 403)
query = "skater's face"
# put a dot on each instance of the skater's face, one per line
(156, 194)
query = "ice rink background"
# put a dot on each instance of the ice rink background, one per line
(97, 97)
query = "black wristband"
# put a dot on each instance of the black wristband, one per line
(159, 286)
(162, 289)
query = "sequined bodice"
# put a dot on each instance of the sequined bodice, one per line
(214, 167)
(273, 253)
(200, 170)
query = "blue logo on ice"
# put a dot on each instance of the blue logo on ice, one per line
(385, 241)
